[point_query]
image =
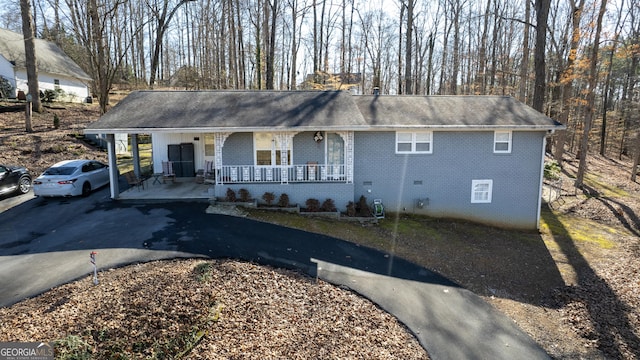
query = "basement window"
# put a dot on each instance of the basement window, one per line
(481, 191)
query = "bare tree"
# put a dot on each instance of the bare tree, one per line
(30, 59)
(271, 13)
(591, 97)
(542, 13)
(567, 77)
(524, 65)
(408, 72)
(163, 16)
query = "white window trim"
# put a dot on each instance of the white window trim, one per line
(273, 150)
(414, 142)
(495, 141)
(474, 184)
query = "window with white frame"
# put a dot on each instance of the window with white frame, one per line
(481, 191)
(502, 142)
(414, 142)
(209, 145)
(268, 151)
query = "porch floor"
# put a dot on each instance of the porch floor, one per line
(182, 189)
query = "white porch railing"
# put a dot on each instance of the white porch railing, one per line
(282, 174)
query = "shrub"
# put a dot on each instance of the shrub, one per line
(283, 201)
(552, 170)
(313, 205)
(231, 195)
(362, 208)
(6, 88)
(244, 195)
(351, 209)
(51, 95)
(268, 197)
(328, 206)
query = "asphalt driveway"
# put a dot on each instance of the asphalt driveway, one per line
(46, 242)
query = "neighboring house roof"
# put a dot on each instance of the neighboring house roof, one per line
(50, 58)
(146, 111)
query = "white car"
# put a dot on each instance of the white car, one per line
(71, 178)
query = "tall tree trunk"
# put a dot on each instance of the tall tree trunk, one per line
(591, 97)
(524, 65)
(401, 80)
(102, 82)
(636, 160)
(607, 85)
(431, 45)
(567, 78)
(30, 54)
(272, 43)
(408, 72)
(294, 44)
(457, 8)
(481, 75)
(542, 13)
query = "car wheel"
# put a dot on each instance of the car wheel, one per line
(86, 189)
(24, 185)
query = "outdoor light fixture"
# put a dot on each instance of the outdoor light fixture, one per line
(317, 136)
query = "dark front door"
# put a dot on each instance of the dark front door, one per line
(182, 156)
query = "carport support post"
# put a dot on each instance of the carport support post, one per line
(113, 166)
(136, 155)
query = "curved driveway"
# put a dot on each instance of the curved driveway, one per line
(46, 242)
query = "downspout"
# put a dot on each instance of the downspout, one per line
(113, 166)
(542, 155)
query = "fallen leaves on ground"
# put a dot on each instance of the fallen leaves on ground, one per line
(208, 309)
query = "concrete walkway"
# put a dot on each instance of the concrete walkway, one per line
(449, 321)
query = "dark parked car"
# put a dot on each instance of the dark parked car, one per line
(14, 179)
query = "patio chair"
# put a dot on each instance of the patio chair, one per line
(209, 172)
(167, 172)
(134, 180)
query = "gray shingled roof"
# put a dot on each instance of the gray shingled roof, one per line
(50, 58)
(232, 110)
(192, 111)
(450, 112)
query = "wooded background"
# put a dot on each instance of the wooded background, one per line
(575, 60)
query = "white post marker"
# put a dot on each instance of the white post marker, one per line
(95, 269)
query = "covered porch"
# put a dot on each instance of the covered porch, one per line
(193, 189)
(154, 189)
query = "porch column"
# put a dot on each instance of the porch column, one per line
(219, 139)
(347, 137)
(136, 154)
(113, 166)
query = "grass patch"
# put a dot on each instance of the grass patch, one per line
(203, 271)
(579, 230)
(604, 188)
(125, 162)
(72, 347)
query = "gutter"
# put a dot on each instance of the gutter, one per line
(549, 129)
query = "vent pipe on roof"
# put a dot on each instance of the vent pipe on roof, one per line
(376, 91)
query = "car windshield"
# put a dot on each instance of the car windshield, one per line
(62, 170)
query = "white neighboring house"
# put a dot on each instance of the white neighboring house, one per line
(56, 70)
